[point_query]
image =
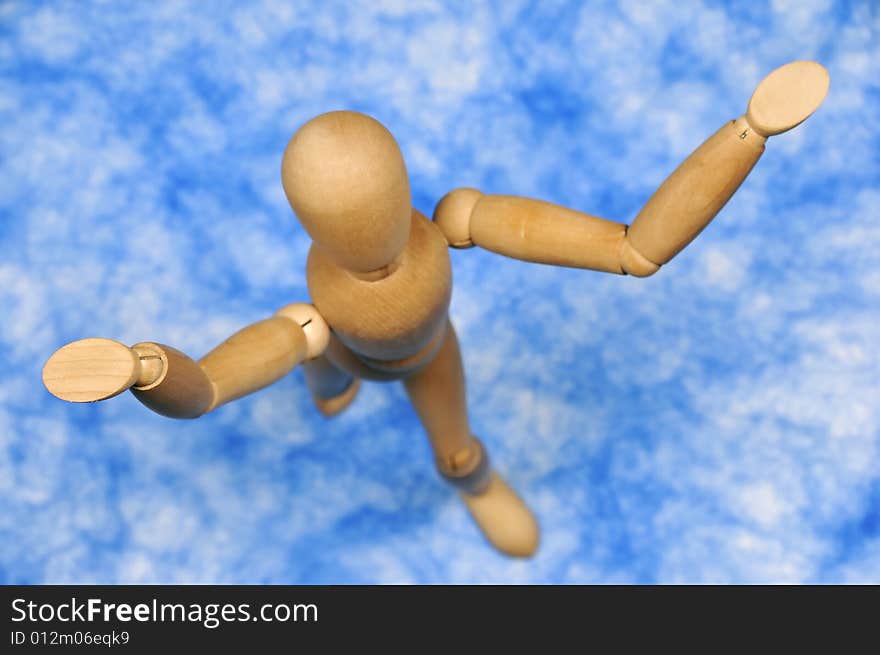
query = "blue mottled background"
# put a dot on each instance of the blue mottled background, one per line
(718, 422)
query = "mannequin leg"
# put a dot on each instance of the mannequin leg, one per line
(332, 388)
(437, 392)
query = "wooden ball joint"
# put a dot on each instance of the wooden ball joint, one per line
(380, 280)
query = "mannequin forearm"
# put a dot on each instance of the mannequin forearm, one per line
(250, 359)
(695, 192)
(173, 384)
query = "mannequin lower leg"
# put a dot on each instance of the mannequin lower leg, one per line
(437, 392)
(332, 388)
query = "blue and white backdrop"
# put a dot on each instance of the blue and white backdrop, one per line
(719, 422)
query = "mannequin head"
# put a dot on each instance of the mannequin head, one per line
(345, 179)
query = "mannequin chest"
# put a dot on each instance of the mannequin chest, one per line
(395, 317)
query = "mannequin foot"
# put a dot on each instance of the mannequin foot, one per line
(503, 517)
(333, 406)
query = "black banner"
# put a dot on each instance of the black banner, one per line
(136, 618)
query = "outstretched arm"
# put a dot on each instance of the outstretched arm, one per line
(678, 211)
(170, 383)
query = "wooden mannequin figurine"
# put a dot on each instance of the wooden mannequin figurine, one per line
(380, 280)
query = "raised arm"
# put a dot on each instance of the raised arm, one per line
(170, 383)
(537, 231)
